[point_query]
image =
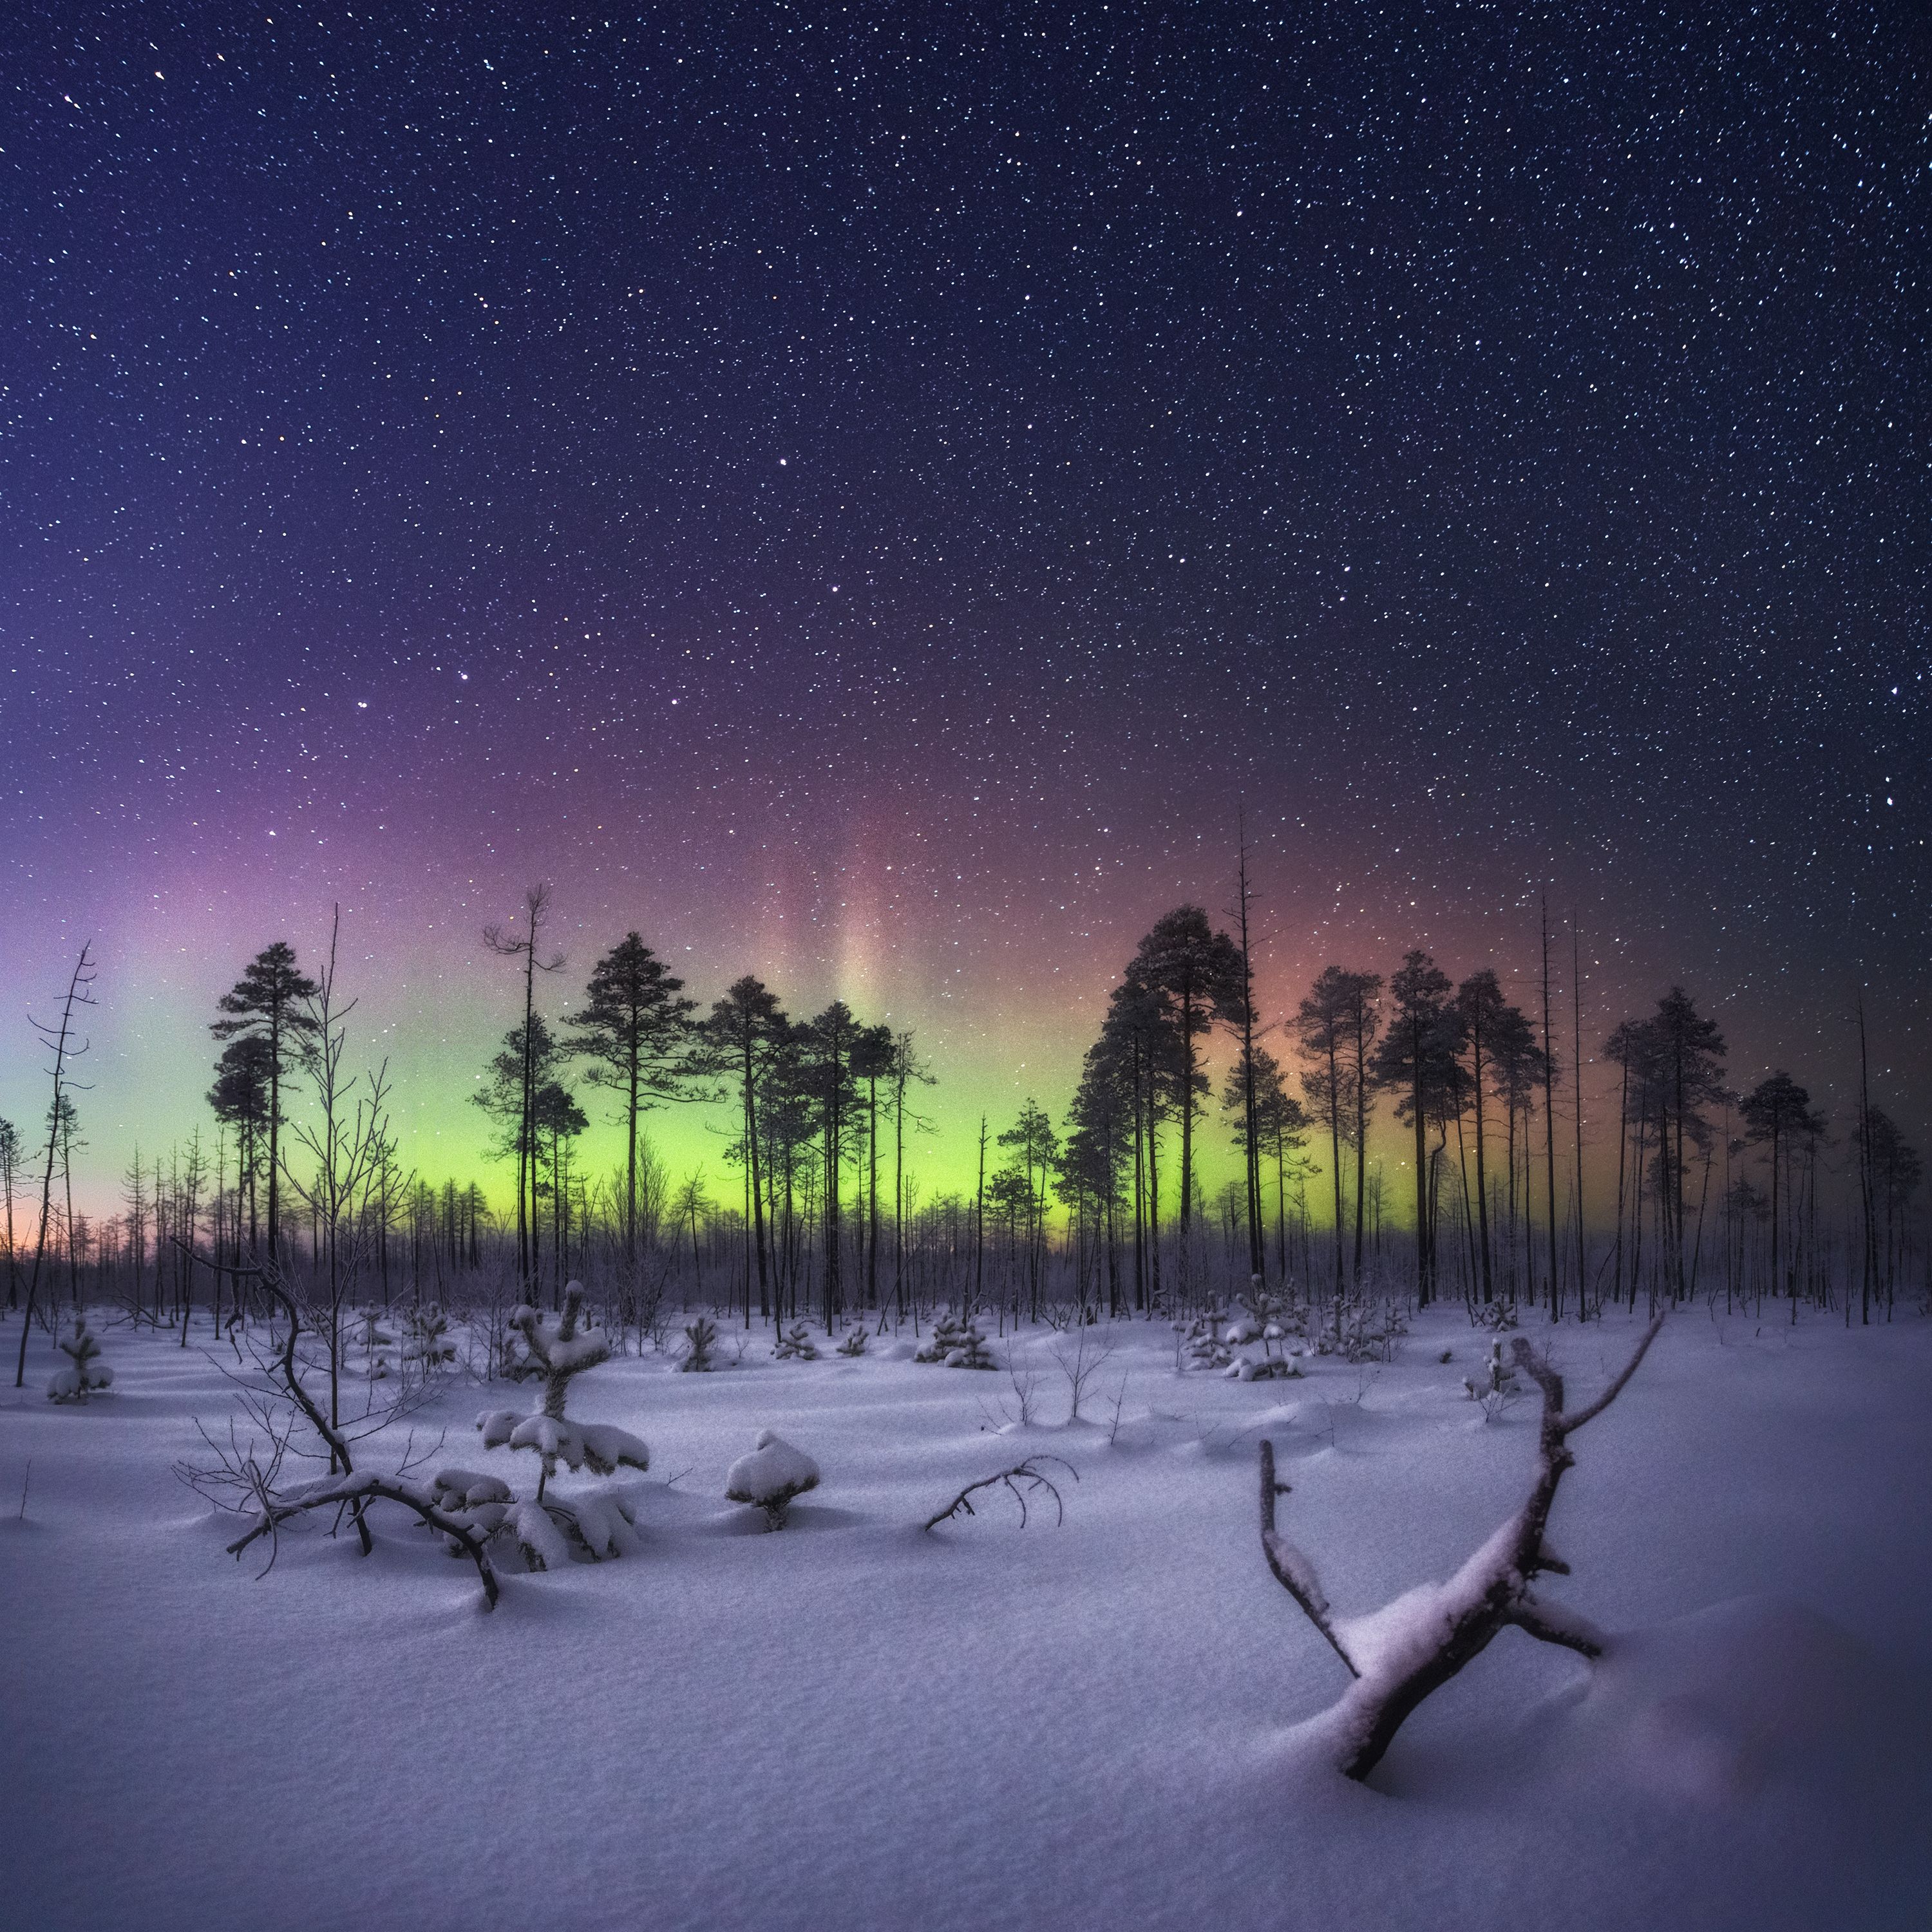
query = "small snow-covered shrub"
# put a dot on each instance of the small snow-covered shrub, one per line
(1256, 1344)
(701, 1340)
(86, 1374)
(956, 1342)
(770, 1476)
(854, 1343)
(426, 1336)
(373, 1338)
(1494, 1315)
(1202, 1344)
(795, 1344)
(550, 1529)
(1361, 1328)
(1496, 1386)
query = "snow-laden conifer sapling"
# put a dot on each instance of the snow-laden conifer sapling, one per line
(956, 1342)
(547, 1527)
(373, 1338)
(701, 1340)
(426, 1337)
(1496, 1383)
(1412, 1646)
(795, 1344)
(86, 1374)
(770, 1476)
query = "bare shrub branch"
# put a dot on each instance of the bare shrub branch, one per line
(1023, 1479)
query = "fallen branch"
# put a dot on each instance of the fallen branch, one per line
(270, 1278)
(333, 1492)
(1021, 1479)
(1413, 1646)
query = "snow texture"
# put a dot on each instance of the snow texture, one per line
(1076, 1729)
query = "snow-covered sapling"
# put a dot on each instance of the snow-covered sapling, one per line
(86, 1374)
(1496, 1385)
(1202, 1346)
(1361, 1329)
(426, 1337)
(597, 1521)
(700, 1338)
(1259, 1349)
(1399, 1653)
(795, 1344)
(770, 1476)
(373, 1338)
(956, 1342)
(854, 1343)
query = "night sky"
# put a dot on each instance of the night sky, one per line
(866, 496)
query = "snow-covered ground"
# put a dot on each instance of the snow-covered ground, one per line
(854, 1723)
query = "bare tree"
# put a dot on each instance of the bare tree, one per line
(1413, 1646)
(348, 1145)
(1082, 1356)
(65, 1043)
(248, 1482)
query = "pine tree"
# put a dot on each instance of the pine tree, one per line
(743, 1027)
(1416, 1062)
(1480, 1014)
(269, 1004)
(635, 1028)
(516, 1075)
(1778, 1116)
(522, 1136)
(240, 1099)
(1333, 1030)
(11, 1154)
(826, 1082)
(1203, 977)
(1022, 1184)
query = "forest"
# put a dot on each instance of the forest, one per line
(821, 1214)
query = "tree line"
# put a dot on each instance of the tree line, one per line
(1714, 1187)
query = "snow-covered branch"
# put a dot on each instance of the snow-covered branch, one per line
(1413, 1646)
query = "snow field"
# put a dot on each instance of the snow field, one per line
(855, 1724)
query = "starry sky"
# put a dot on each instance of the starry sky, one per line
(868, 495)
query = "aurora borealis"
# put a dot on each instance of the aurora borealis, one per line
(866, 498)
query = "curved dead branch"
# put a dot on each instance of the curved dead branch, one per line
(355, 1490)
(1021, 1480)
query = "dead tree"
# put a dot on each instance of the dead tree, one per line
(1398, 1655)
(344, 1488)
(62, 1042)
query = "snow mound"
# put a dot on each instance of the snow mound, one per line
(1713, 1708)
